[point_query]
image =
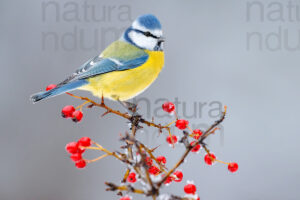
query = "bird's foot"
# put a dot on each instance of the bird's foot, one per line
(131, 107)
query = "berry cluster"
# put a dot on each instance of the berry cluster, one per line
(76, 149)
(143, 167)
(155, 170)
(68, 111)
(183, 124)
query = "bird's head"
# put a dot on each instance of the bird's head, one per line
(146, 33)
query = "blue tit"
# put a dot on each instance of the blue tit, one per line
(126, 68)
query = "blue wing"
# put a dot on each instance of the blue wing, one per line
(97, 66)
(118, 56)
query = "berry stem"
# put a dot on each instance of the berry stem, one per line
(170, 134)
(208, 152)
(125, 175)
(220, 161)
(190, 129)
(81, 105)
(176, 116)
(100, 148)
(92, 148)
(96, 159)
(171, 123)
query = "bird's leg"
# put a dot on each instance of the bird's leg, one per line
(131, 107)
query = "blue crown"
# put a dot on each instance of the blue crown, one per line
(149, 21)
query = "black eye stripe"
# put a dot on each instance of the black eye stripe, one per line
(148, 34)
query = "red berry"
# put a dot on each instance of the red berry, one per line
(84, 141)
(197, 133)
(77, 116)
(76, 157)
(125, 198)
(80, 150)
(233, 167)
(50, 87)
(178, 175)
(182, 124)
(72, 147)
(148, 161)
(161, 160)
(67, 111)
(190, 189)
(209, 158)
(131, 178)
(153, 170)
(168, 180)
(196, 148)
(173, 140)
(168, 107)
(80, 164)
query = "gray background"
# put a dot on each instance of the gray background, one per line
(206, 60)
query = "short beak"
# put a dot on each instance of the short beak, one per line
(161, 39)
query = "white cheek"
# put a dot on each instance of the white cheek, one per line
(142, 41)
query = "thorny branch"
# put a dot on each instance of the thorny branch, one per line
(133, 146)
(116, 112)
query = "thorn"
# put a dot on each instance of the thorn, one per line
(105, 113)
(90, 106)
(129, 142)
(102, 99)
(124, 147)
(225, 109)
(120, 193)
(214, 130)
(152, 150)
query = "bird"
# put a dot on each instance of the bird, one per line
(126, 68)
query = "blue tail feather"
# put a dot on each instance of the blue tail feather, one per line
(58, 90)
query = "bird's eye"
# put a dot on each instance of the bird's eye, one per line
(147, 33)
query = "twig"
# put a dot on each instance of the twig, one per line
(187, 151)
(113, 187)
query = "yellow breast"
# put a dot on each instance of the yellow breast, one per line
(124, 85)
